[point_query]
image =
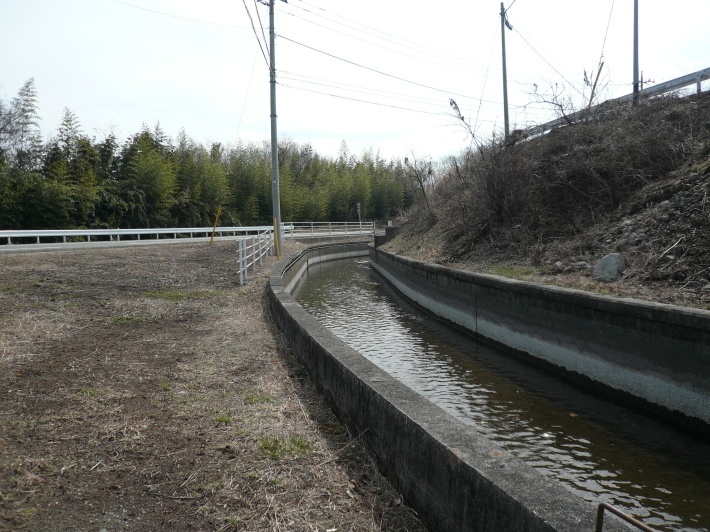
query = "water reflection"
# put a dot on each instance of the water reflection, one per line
(598, 449)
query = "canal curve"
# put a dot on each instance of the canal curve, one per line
(598, 449)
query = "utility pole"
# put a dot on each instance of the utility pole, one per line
(275, 195)
(636, 52)
(503, 23)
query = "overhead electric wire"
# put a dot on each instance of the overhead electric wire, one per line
(176, 16)
(469, 65)
(261, 25)
(418, 58)
(606, 33)
(375, 70)
(358, 88)
(549, 64)
(368, 92)
(256, 34)
(387, 94)
(361, 101)
(409, 44)
(485, 79)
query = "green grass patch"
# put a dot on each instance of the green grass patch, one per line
(89, 392)
(280, 448)
(222, 419)
(513, 272)
(257, 396)
(166, 386)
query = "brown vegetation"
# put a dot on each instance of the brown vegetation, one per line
(628, 180)
(144, 389)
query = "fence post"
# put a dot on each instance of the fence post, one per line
(240, 260)
(261, 247)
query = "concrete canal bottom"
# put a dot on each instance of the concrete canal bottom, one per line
(599, 449)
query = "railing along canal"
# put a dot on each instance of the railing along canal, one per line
(316, 229)
(254, 242)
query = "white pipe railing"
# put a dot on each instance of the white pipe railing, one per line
(7, 236)
(328, 229)
(251, 251)
(254, 242)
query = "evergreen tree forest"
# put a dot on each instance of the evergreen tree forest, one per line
(150, 180)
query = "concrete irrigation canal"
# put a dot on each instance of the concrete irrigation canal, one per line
(476, 438)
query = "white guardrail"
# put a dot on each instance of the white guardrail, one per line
(251, 251)
(86, 235)
(253, 242)
(300, 229)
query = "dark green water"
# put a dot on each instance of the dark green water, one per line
(599, 449)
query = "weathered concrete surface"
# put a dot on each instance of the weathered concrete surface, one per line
(653, 354)
(453, 477)
(390, 233)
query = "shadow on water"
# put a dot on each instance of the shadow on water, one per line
(599, 449)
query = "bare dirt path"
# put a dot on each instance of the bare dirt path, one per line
(144, 389)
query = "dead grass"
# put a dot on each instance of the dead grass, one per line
(634, 181)
(144, 389)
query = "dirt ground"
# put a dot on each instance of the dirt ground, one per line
(144, 389)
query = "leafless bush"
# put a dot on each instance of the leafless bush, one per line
(557, 185)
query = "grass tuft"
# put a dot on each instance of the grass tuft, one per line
(279, 448)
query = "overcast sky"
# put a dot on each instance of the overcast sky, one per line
(375, 74)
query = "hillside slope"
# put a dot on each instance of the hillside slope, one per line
(634, 181)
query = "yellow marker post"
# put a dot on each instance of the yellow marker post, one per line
(216, 219)
(276, 241)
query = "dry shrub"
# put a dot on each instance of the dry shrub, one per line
(523, 195)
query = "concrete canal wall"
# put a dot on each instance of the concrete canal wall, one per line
(453, 477)
(655, 355)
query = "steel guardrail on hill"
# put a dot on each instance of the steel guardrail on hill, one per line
(696, 78)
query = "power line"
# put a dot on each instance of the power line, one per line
(387, 94)
(362, 101)
(411, 55)
(358, 88)
(255, 33)
(176, 16)
(409, 44)
(480, 103)
(548, 63)
(375, 70)
(261, 24)
(606, 33)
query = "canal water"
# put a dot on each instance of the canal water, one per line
(599, 449)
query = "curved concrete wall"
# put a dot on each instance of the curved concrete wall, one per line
(655, 355)
(453, 477)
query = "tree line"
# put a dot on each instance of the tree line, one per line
(151, 180)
